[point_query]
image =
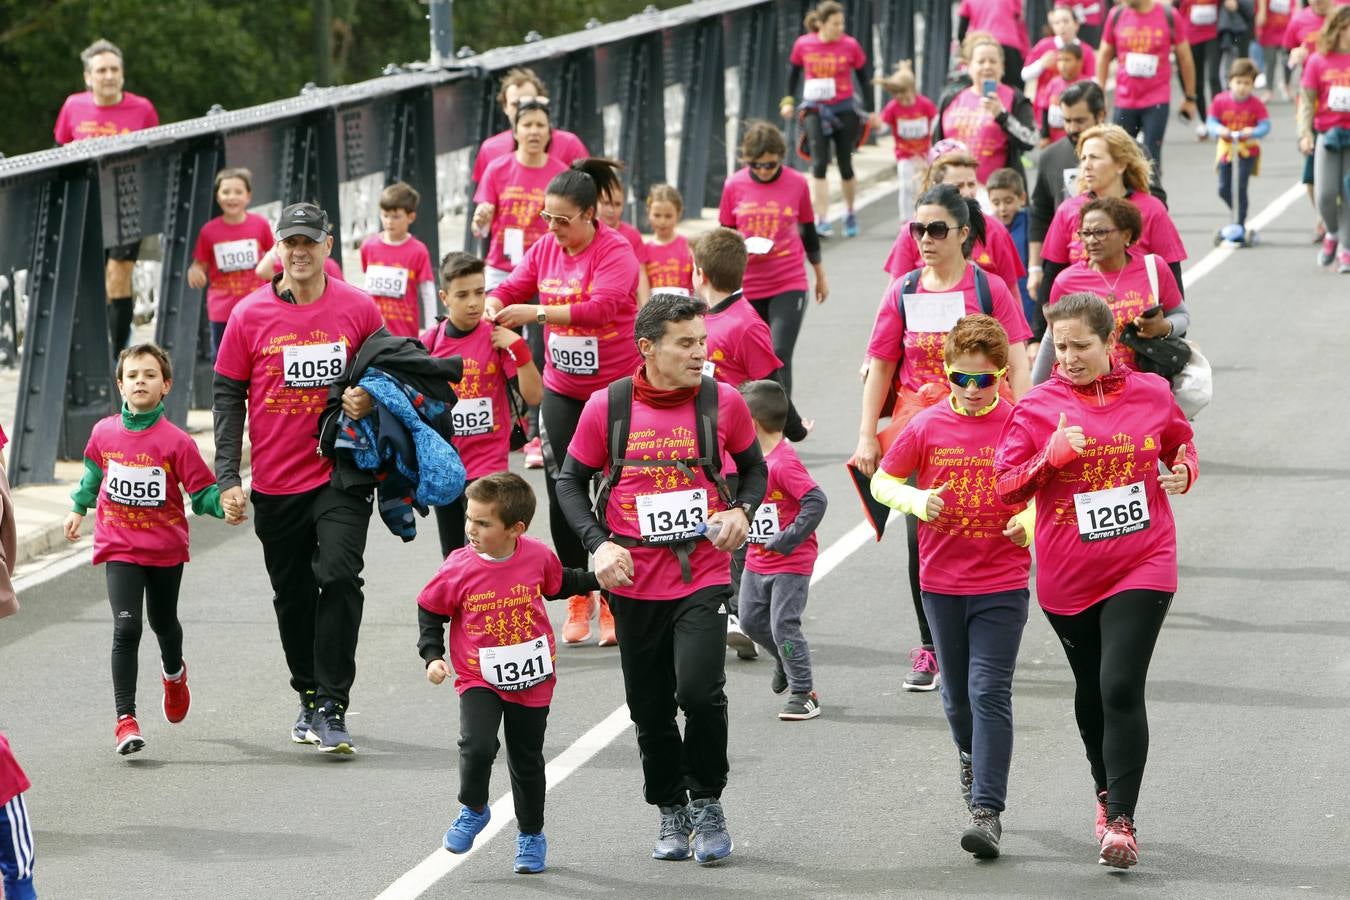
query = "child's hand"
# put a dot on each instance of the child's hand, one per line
(1015, 532)
(196, 276)
(72, 526)
(437, 671)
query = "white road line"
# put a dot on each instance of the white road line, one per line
(1217, 256)
(440, 863)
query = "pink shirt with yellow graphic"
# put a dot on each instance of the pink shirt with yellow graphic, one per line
(230, 254)
(483, 448)
(966, 120)
(836, 59)
(1126, 292)
(1160, 235)
(788, 483)
(389, 267)
(517, 193)
(770, 211)
(81, 118)
(669, 265)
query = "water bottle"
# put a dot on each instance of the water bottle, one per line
(709, 530)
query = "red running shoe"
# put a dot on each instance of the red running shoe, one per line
(1119, 848)
(177, 697)
(580, 608)
(128, 735)
(1100, 830)
(607, 636)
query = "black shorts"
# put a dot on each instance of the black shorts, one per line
(129, 252)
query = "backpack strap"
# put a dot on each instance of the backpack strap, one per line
(983, 292)
(620, 419)
(709, 451)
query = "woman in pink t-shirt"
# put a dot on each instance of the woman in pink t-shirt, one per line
(1101, 448)
(1151, 303)
(993, 120)
(510, 194)
(1324, 130)
(826, 58)
(771, 205)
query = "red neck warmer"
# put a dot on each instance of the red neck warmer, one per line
(655, 397)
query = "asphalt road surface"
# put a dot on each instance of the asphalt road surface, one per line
(1249, 695)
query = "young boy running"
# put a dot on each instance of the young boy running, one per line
(782, 554)
(133, 465)
(502, 649)
(398, 265)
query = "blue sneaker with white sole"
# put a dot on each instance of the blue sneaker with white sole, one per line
(824, 229)
(530, 852)
(459, 836)
(712, 843)
(850, 225)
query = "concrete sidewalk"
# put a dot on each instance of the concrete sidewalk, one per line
(40, 510)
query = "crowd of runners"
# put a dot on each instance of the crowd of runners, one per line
(1017, 401)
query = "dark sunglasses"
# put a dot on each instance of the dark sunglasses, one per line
(937, 230)
(764, 166)
(981, 380)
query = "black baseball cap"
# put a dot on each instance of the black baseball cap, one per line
(304, 219)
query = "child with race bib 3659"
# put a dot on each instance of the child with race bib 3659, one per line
(398, 265)
(490, 592)
(134, 464)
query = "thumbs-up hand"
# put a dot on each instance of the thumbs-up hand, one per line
(1067, 443)
(1178, 478)
(935, 502)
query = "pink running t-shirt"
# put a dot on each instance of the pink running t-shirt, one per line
(81, 118)
(564, 146)
(1001, 18)
(769, 216)
(394, 272)
(669, 265)
(836, 59)
(997, 254)
(740, 345)
(482, 415)
(1329, 76)
(1142, 43)
(1126, 292)
(230, 254)
(965, 119)
(911, 125)
(517, 192)
(1160, 235)
(789, 482)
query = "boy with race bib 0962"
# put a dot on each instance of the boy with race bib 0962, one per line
(490, 592)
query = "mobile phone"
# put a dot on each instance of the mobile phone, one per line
(1150, 313)
(990, 87)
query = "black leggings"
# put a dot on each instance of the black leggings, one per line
(1012, 67)
(784, 313)
(844, 139)
(450, 522)
(1109, 646)
(912, 543)
(128, 585)
(559, 415)
(481, 712)
(121, 313)
(1206, 55)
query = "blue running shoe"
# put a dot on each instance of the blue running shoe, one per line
(673, 841)
(329, 730)
(459, 836)
(824, 228)
(850, 225)
(304, 721)
(530, 852)
(712, 843)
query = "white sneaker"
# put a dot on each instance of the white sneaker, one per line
(740, 641)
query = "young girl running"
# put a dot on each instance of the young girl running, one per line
(133, 465)
(666, 255)
(229, 249)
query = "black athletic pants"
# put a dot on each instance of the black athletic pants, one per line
(450, 522)
(314, 546)
(559, 415)
(673, 654)
(784, 313)
(912, 544)
(843, 140)
(1109, 646)
(481, 712)
(128, 585)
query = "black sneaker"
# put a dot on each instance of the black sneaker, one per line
(300, 732)
(779, 683)
(329, 730)
(967, 776)
(982, 835)
(800, 707)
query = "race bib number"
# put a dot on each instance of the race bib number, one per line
(574, 354)
(386, 281)
(1338, 98)
(143, 486)
(818, 90)
(513, 244)
(710, 368)
(472, 416)
(1055, 115)
(314, 365)
(518, 666)
(764, 525)
(665, 518)
(1112, 513)
(1280, 7)
(236, 256)
(1204, 15)
(911, 129)
(1141, 65)
(934, 312)
(758, 246)
(1070, 180)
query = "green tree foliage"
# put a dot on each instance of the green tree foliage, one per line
(186, 55)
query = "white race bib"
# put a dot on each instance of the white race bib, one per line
(472, 416)
(764, 525)
(1141, 65)
(664, 518)
(1055, 115)
(143, 486)
(758, 246)
(518, 666)
(1070, 180)
(1111, 513)
(1338, 98)
(236, 256)
(386, 281)
(710, 368)
(818, 90)
(313, 365)
(1280, 7)
(934, 312)
(911, 129)
(1204, 15)
(574, 354)
(513, 244)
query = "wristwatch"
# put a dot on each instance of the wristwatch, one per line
(541, 316)
(747, 508)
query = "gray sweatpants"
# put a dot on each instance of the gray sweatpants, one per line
(771, 610)
(1331, 168)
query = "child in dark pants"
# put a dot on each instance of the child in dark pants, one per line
(490, 592)
(1238, 111)
(782, 554)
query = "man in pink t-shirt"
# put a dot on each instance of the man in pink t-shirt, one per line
(105, 110)
(670, 607)
(283, 346)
